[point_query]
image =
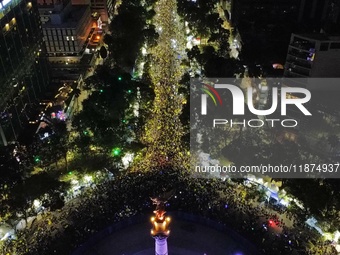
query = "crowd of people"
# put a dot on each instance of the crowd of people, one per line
(61, 232)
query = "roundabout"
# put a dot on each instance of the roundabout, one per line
(190, 235)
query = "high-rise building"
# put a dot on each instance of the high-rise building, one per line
(258, 11)
(265, 26)
(312, 15)
(320, 16)
(24, 72)
(68, 30)
(316, 55)
(100, 9)
(313, 60)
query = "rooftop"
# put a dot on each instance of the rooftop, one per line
(319, 37)
(71, 20)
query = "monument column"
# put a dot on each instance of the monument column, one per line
(160, 229)
(161, 245)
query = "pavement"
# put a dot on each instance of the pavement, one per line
(185, 238)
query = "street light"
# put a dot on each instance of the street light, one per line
(37, 159)
(116, 151)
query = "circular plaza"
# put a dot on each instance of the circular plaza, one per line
(190, 235)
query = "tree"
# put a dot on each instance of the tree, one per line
(82, 141)
(333, 141)
(11, 170)
(108, 39)
(32, 188)
(317, 195)
(127, 34)
(150, 14)
(150, 35)
(194, 53)
(77, 93)
(103, 52)
(105, 119)
(214, 37)
(208, 53)
(200, 16)
(213, 22)
(60, 140)
(221, 67)
(52, 148)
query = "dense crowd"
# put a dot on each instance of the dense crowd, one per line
(63, 231)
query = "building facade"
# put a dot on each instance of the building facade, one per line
(100, 9)
(313, 61)
(316, 55)
(24, 71)
(320, 16)
(265, 26)
(312, 15)
(263, 10)
(68, 30)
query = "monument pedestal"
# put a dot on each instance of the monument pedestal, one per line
(161, 245)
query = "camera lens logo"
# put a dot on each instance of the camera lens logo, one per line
(209, 90)
(239, 100)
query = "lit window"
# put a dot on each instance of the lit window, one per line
(72, 38)
(67, 38)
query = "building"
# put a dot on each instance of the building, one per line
(24, 71)
(68, 32)
(256, 11)
(316, 55)
(264, 15)
(312, 15)
(100, 9)
(313, 61)
(265, 26)
(320, 16)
